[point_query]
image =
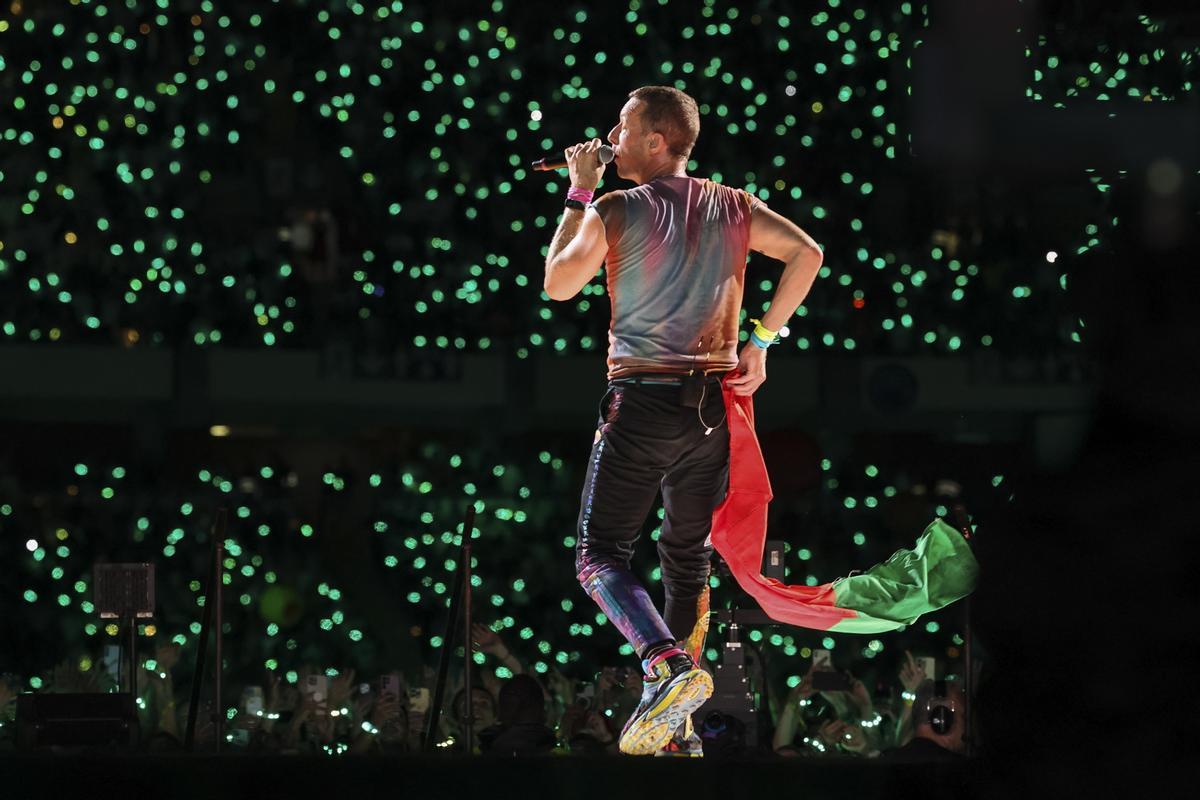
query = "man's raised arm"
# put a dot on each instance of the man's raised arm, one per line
(576, 253)
(579, 245)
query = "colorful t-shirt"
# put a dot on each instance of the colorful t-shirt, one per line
(676, 266)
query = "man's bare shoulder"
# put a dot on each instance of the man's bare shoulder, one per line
(611, 196)
(733, 192)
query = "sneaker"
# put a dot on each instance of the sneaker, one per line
(684, 743)
(673, 687)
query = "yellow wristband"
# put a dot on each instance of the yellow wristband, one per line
(764, 333)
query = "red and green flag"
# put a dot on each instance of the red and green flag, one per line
(938, 570)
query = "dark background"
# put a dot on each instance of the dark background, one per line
(1069, 432)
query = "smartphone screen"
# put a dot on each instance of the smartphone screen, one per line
(822, 659)
(830, 682)
(389, 684)
(929, 664)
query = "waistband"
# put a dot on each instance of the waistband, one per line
(663, 379)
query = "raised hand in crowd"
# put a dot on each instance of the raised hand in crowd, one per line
(486, 640)
(861, 697)
(311, 723)
(912, 675)
(275, 702)
(387, 708)
(361, 706)
(386, 722)
(843, 735)
(854, 703)
(300, 714)
(417, 716)
(489, 641)
(341, 687)
(790, 719)
(390, 717)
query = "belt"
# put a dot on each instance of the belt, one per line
(661, 379)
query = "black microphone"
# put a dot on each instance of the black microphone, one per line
(559, 161)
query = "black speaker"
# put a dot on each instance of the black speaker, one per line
(121, 590)
(722, 734)
(92, 719)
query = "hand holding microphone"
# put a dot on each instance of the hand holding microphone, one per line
(585, 162)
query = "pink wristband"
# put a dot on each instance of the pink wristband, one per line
(582, 195)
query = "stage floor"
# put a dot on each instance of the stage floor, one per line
(345, 778)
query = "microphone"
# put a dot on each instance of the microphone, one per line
(559, 161)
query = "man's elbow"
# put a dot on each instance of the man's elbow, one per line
(811, 256)
(551, 288)
(548, 285)
(558, 275)
(554, 291)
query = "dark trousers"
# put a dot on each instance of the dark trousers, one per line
(647, 442)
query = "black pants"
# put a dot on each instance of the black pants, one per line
(648, 441)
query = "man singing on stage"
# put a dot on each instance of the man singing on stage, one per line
(675, 250)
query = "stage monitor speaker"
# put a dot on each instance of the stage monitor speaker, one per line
(122, 590)
(85, 720)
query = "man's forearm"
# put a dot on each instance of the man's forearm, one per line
(567, 229)
(785, 728)
(794, 285)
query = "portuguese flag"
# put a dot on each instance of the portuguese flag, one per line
(938, 570)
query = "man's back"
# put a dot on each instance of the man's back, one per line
(676, 264)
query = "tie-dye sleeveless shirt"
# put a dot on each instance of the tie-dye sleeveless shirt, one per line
(676, 266)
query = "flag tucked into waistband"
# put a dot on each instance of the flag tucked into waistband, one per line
(938, 570)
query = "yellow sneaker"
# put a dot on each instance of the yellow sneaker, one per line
(673, 687)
